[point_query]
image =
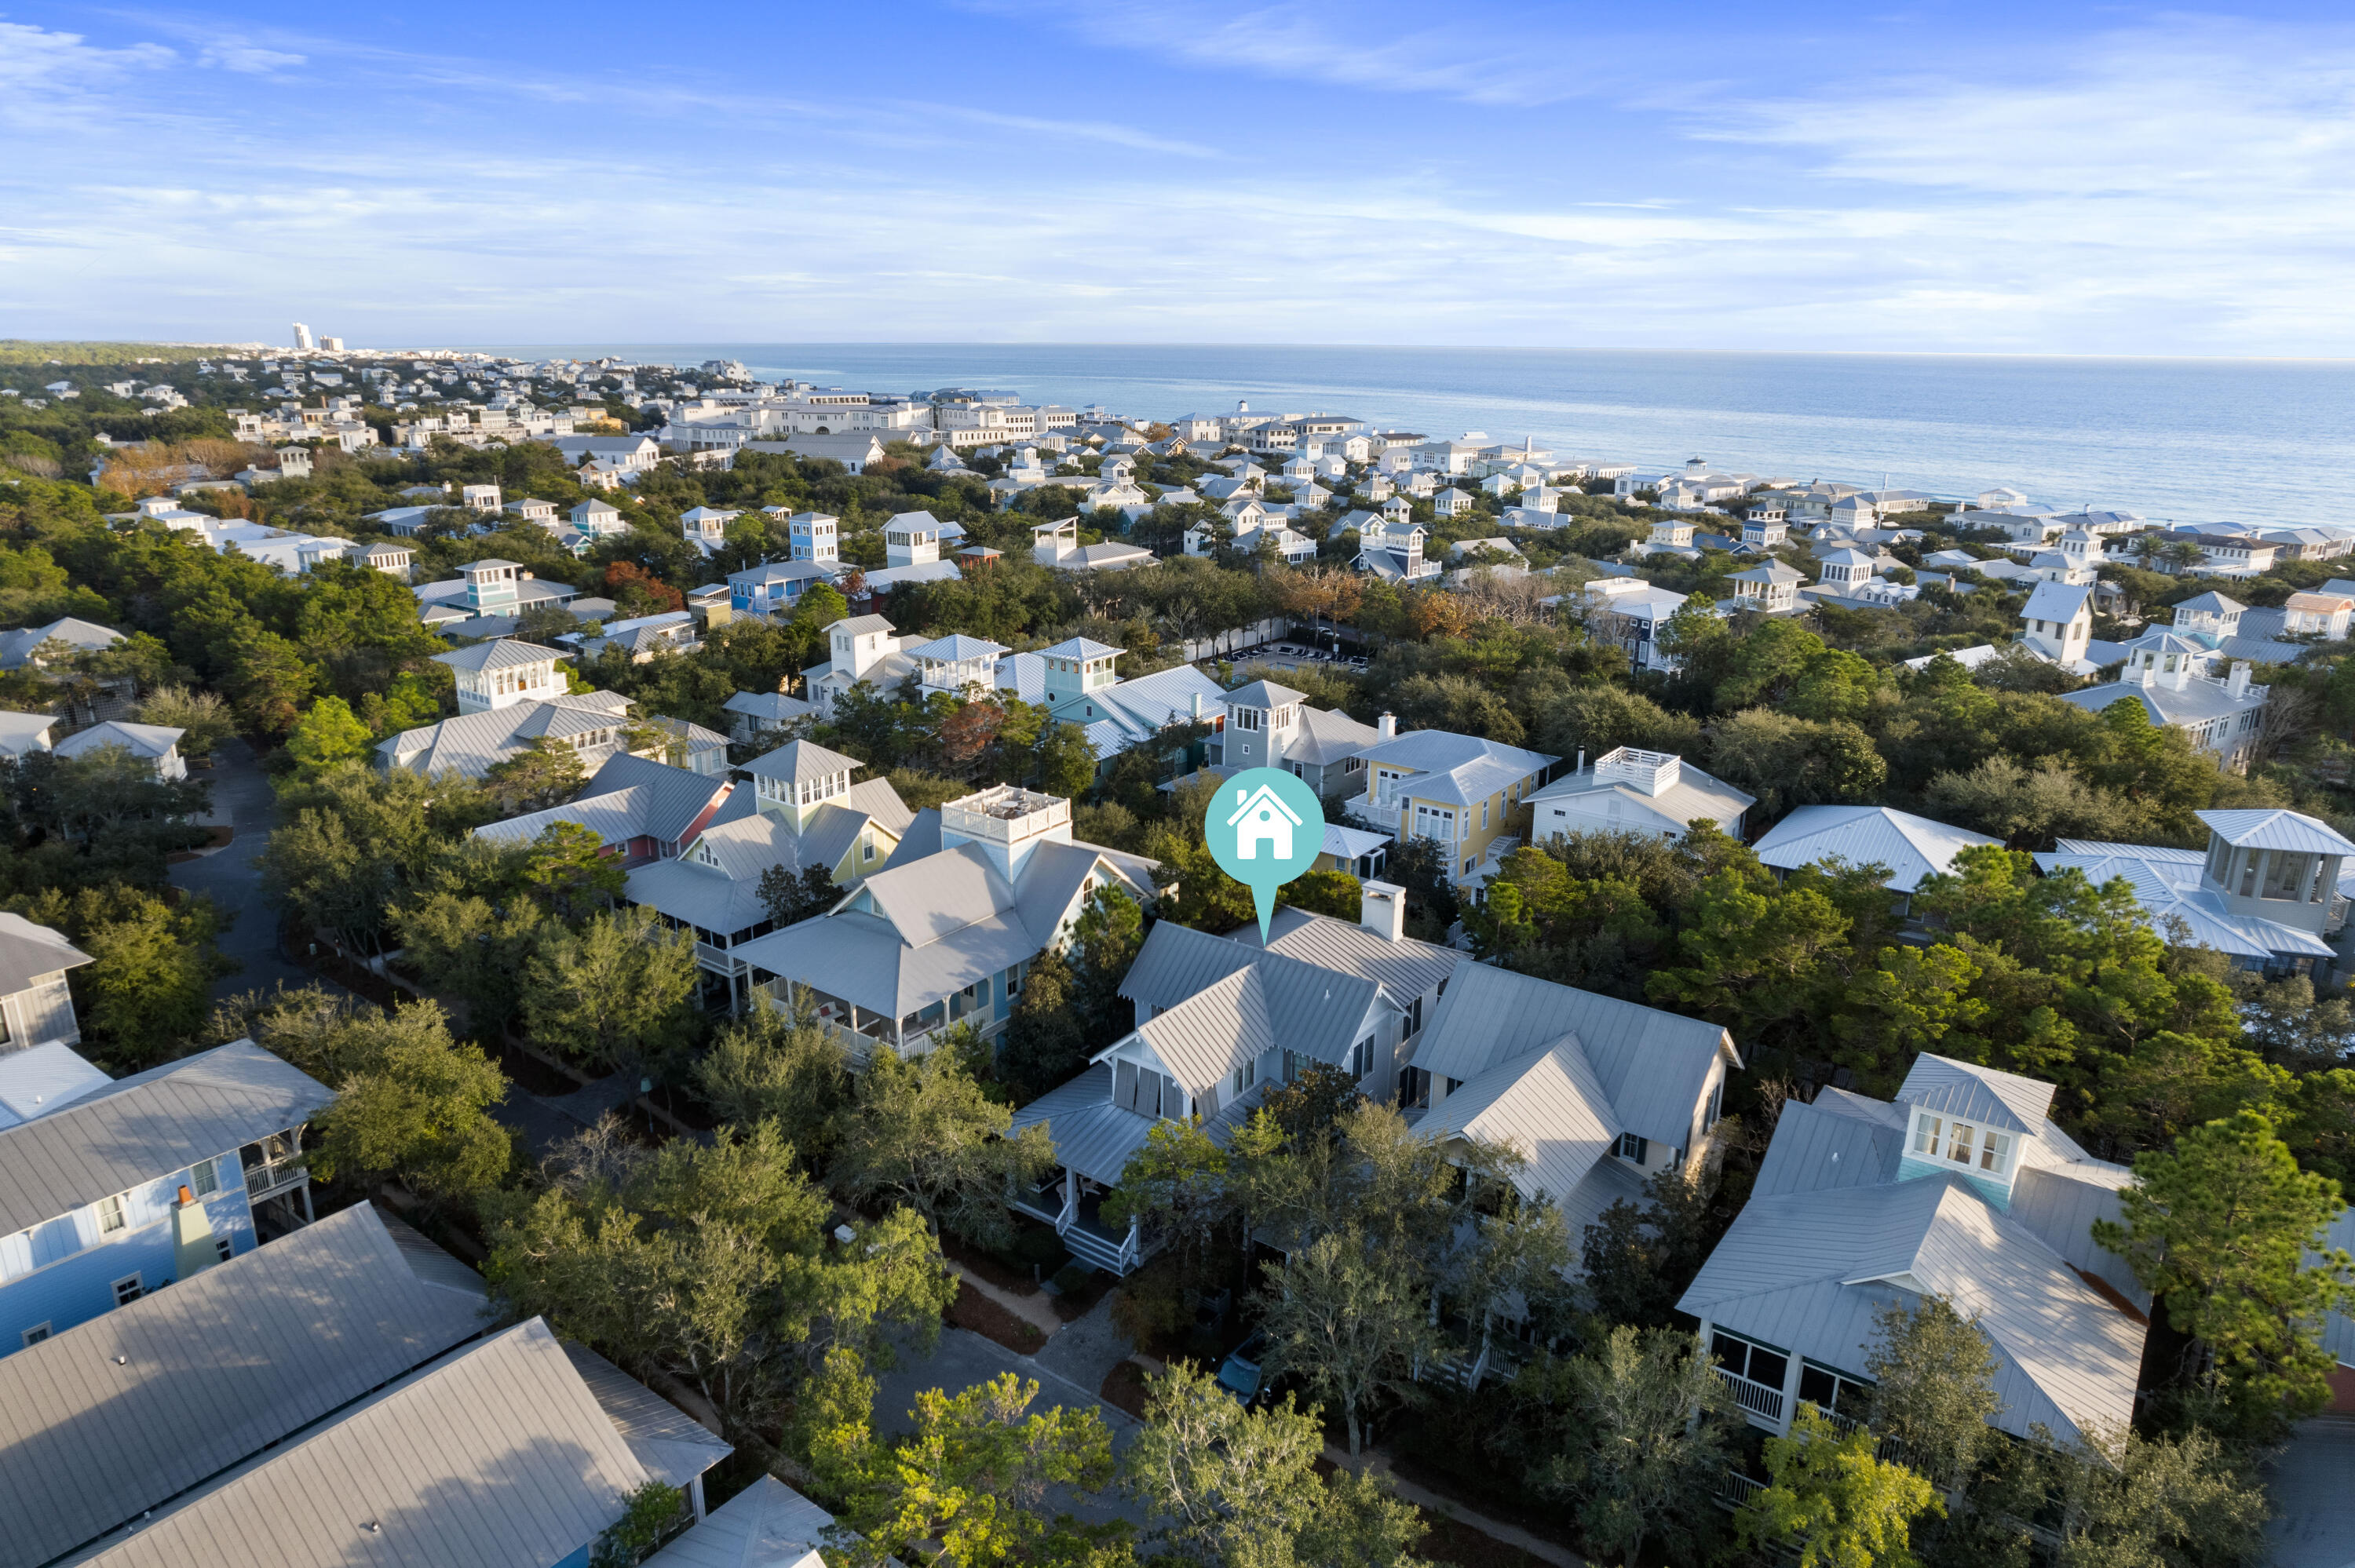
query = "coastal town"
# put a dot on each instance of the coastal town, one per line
(616, 962)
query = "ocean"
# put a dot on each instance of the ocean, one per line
(2255, 442)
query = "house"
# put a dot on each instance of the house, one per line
(758, 716)
(1909, 847)
(864, 650)
(2222, 716)
(106, 1421)
(1451, 502)
(1118, 714)
(623, 457)
(499, 674)
(595, 725)
(21, 734)
(1842, 569)
(706, 527)
(853, 450)
(816, 535)
(640, 809)
(801, 812)
(393, 560)
(598, 519)
(1455, 791)
(479, 497)
(109, 1189)
(1628, 791)
(1269, 725)
(30, 645)
(2264, 892)
(1058, 545)
(641, 638)
(2323, 615)
(489, 589)
(531, 511)
(2059, 622)
(516, 1448)
(1961, 1187)
(774, 588)
(766, 1525)
(946, 930)
(1219, 1019)
(1353, 851)
(1770, 589)
(156, 745)
(1632, 613)
(1395, 553)
(38, 1070)
(2211, 619)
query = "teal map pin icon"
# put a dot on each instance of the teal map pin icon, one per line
(1264, 827)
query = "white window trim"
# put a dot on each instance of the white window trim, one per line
(138, 1287)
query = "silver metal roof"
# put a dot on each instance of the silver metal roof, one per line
(213, 1370)
(1461, 768)
(495, 1456)
(2275, 830)
(802, 761)
(766, 1525)
(1976, 1094)
(1405, 968)
(1912, 847)
(28, 951)
(499, 655)
(1545, 1105)
(1653, 1065)
(673, 1445)
(146, 1126)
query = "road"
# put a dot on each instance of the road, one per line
(242, 799)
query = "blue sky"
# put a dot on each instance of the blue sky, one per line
(1992, 177)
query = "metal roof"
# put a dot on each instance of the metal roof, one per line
(492, 1457)
(1091, 1135)
(2056, 601)
(499, 655)
(673, 1445)
(1202, 1040)
(28, 951)
(1818, 1147)
(469, 744)
(1078, 648)
(1545, 1105)
(1912, 847)
(149, 1124)
(215, 1368)
(774, 706)
(1405, 968)
(138, 739)
(1976, 1094)
(801, 761)
(2275, 830)
(1653, 1065)
(766, 1525)
(1576, 797)
(956, 646)
(1264, 695)
(2168, 886)
(1461, 768)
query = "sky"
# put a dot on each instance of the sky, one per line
(1988, 178)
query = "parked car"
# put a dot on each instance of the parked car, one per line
(1239, 1373)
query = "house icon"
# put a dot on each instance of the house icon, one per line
(1261, 817)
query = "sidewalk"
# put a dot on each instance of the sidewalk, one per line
(1035, 1310)
(1431, 1502)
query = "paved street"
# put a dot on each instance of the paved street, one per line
(2314, 1510)
(241, 798)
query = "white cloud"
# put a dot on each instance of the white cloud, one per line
(248, 59)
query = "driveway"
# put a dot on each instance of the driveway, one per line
(243, 800)
(965, 1359)
(2314, 1510)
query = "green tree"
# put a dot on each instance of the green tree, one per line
(1333, 893)
(1046, 1035)
(2155, 1503)
(1178, 1185)
(1348, 1322)
(420, 1111)
(2218, 1231)
(328, 733)
(781, 1065)
(200, 716)
(540, 775)
(475, 950)
(1639, 1261)
(791, 898)
(1105, 938)
(1832, 1501)
(568, 868)
(918, 1131)
(1650, 1435)
(145, 994)
(1065, 760)
(655, 1511)
(1934, 1387)
(616, 991)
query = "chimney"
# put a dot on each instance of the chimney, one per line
(1581, 761)
(2239, 684)
(1382, 909)
(193, 1249)
(1386, 726)
(1198, 705)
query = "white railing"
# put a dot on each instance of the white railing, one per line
(1754, 1397)
(1739, 1489)
(273, 1176)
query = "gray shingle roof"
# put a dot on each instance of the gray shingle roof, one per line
(214, 1369)
(149, 1124)
(495, 1456)
(1652, 1065)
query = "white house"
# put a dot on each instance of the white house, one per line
(154, 744)
(1628, 791)
(911, 539)
(2059, 618)
(1909, 847)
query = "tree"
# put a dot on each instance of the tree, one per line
(2154, 1502)
(1065, 759)
(655, 1508)
(616, 991)
(1651, 1435)
(145, 994)
(791, 898)
(1105, 939)
(2217, 1230)
(1347, 1321)
(570, 871)
(327, 734)
(474, 949)
(1046, 1035)
(1178, 1183)
(1333, 893)
(965, 1488)
(1226, 1484)
(200, 716)
(920, 1131)
(1639, 1262)
(540, 775)
(1934, 1388)
(420, 1111)
(1832, 1502)
(781, 1065)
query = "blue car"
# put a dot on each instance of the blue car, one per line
(1239, 1373)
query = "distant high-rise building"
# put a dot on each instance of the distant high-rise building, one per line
(303, 336)
(332, 344)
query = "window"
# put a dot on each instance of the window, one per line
(1958, 1142)
(220, 1245)
(204, 1177)
(1361, 1057)
(1484, 816)
(1926, 1130)
(2286, 875)
(1995, 1153)
(1246, 1076)
(110, 1217)
(1248, 718)
(1633, 1148)
(1837, 1391)
(1759, 1363)
(127, 1289)
(36, 1333)
(867, 850)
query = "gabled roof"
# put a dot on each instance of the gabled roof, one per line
(1452, 767)
(1189, 976)
(496, 1456)
(28, 951)
(1912, 847)
(504, 654)
(2056, 601)
(860, 625)
(773, 707)
(148, 1125)
(1652, 1065)
(1975, 1093)
(766, 1525)
(216, 1368)
(1264, 695)
(1405, 968)
(1546, 1106)
(472, 743)
(2168, 886)
(800, 761)
(2275, 830)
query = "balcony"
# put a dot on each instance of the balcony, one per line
(1755, 1398)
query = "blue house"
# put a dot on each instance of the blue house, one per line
(779, 586)
(111, 1189)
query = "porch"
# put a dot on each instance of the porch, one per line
(1074, 1206)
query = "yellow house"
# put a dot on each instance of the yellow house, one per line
(1457, 790)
